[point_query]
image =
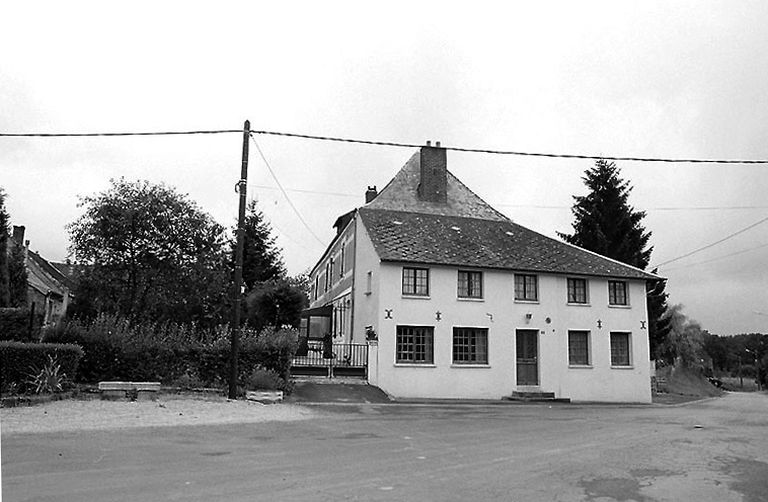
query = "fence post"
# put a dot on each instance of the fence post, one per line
(373, 362)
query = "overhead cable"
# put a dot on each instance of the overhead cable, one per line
(290, 203)
(713, 244)
(97, 134)
(513, 152)
(395, 144)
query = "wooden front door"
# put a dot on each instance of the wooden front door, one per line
(527, 357)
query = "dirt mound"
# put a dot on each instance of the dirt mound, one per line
(687, 382)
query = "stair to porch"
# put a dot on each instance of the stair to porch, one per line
(536, 396)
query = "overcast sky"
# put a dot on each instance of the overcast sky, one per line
(656, 79)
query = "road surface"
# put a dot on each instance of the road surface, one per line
(715, 450)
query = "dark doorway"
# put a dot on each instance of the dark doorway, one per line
(527, 357)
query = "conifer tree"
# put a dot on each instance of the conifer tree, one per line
(605, 222)
(261, 256)
(5, 298)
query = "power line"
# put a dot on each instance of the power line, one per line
(714, 243)
(298, 214)
(717, 258)
(393, 144)
(513, 152)
(97, 134)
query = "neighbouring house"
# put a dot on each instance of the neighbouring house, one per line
(49, 285)
(457, 301)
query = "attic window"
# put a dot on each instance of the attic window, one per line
(509, 233)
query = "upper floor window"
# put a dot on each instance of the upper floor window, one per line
(342, 264)
(617, 293)
(314, 290)
(526, 287)
(577, 290)
(415, 281)
(470, 284)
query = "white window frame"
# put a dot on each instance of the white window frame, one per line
(469, 295)
(588, 364)
(415, 292)
(629, 349)
(406, 362)
(626, 293)
(568, 290)
(481, 329)
(536, 282)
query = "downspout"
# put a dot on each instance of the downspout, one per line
(354, 270)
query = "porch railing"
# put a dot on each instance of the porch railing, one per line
(352, 356)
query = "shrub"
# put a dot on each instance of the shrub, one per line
(168, 352)
(49, 378)
(18, 360)
(263, 379)
(15, 325)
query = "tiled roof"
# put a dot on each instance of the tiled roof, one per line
(400, 194)
(470, 242)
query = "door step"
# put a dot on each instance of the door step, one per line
(532, 396)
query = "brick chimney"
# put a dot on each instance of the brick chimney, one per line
(370, 194)
(433, 184)
(18, 234)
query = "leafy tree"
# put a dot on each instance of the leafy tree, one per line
(605, 222)
(5, 297)
(261, 256)
(149, 253)
(685, 340)
(275, 303)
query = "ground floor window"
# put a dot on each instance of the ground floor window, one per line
(415, 344)
(620, 353)
(578, 348)
(470, 345)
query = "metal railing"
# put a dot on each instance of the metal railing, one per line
(344, 358)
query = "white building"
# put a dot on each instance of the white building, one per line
(460, 302)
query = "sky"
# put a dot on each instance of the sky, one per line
(682, 79)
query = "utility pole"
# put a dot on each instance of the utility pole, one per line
(237, 290)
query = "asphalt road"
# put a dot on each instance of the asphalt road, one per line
(715, 450)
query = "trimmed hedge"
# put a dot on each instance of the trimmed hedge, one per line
(14, 325)
(18, 361)
(115, 350)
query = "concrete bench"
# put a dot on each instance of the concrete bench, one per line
(130, 390)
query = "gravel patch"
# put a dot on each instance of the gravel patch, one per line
(80, 415)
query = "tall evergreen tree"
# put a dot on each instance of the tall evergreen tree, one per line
(605, 222)
(658, 325)
(5, 297)
(261, 256)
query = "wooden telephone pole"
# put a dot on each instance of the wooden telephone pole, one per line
(238, 286)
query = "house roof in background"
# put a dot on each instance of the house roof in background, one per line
(433, 239)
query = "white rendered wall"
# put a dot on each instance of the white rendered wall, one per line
(502, 316)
